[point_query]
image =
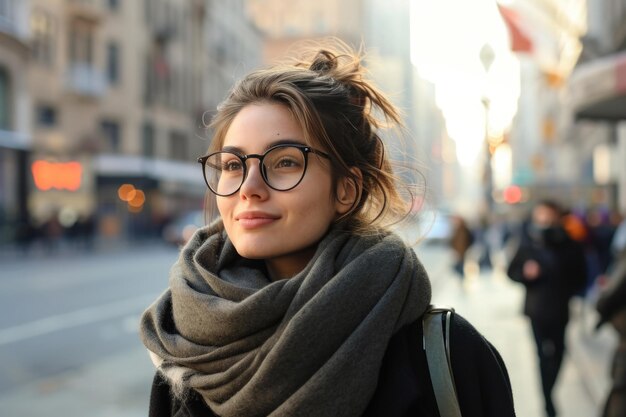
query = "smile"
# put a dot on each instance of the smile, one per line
(252, 220)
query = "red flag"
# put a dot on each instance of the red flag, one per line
(520, 42)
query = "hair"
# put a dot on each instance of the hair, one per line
(553, 205)
(339, 109)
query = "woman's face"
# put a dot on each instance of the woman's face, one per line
(280, 227)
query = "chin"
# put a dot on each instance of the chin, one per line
(253, 249)
(252, 254)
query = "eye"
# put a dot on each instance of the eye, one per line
(232, 165)
(286, 162)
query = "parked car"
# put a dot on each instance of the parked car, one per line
(183, 227)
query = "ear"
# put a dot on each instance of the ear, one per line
(348, 191)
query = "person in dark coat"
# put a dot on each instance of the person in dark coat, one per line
(552, 268)
(611, 305)
(300, 300)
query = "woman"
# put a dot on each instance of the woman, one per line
(298, 301)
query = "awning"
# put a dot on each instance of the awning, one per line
(14, 140)
(520, 41)
(597, 89)
(161, 170)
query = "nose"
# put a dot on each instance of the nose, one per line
(254, 185)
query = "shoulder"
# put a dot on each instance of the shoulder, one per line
(480, 374)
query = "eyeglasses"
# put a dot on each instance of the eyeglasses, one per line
(282, 168)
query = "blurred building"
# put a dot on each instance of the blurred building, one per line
(597, 101)
(114, 90)
(15, 138)
(104, 106)
(234, 46)
(546, 163)
(285, 23)
(569, 139)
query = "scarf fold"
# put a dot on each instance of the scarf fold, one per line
(311, 345)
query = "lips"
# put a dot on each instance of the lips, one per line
(254, 219)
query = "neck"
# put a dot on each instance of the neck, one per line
(284, 267)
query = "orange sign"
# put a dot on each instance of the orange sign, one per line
(57, 175)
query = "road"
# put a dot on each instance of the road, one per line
(62, 313)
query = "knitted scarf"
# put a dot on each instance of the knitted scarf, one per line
(311, 345)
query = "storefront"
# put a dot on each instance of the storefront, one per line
(13, 184)
(137, 196)
(597, 92)
(597, 89)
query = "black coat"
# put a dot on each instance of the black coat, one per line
(404, 387)
(563, 275)
(612, 299)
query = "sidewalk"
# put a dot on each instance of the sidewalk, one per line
(591, 349)
(116, 387)
(493, 304)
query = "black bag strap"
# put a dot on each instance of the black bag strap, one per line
(437, 347)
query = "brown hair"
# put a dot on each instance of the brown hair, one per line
(338, 108)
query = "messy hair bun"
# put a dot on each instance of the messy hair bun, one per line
(340, 110)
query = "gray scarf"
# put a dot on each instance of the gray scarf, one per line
(311, 345)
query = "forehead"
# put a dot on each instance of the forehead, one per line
(258, 125)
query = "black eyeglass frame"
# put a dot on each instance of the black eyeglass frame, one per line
(303, 148)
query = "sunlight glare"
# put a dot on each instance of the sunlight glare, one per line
(446, 39)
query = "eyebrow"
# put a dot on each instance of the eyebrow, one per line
(237, 149)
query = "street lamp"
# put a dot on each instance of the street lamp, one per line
(486, 58)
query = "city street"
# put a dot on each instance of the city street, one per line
(68, 315)
(122, 123)
(68, 334)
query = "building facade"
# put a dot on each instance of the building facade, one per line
(15, 139)
(104, 104)
(597, 100)
(285, 23)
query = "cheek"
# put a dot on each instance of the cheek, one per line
(316, 209)
(224, 207)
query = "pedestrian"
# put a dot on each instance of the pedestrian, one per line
(298, 300)
(460, 241)
(611, 305)
(552, 268)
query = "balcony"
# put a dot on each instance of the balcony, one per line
(85, 80)
(14, 28)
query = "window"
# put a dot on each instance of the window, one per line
(46, 115)
(81, 42)
(149, 81)
(113, 64)
(43, 31)
(114, 5)
(111, 133)
(178, 146)
(148, 140)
